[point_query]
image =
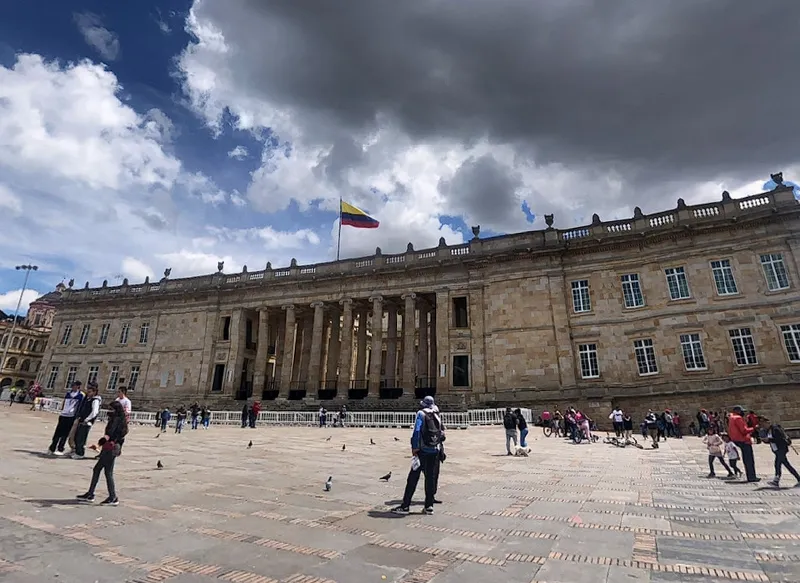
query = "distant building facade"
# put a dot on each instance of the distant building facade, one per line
(695, 306)
(27, 344)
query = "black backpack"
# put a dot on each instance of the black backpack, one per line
(509, 422)
(431, 430)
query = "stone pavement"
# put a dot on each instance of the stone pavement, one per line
(219, 512)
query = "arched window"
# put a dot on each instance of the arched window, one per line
(15, 342)
(25, 366)
(11, 363)
(36, 346)
(30, 344)
(6, 382)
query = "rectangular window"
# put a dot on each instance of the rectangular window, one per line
(460, 314)
(72, 374)
(179, 378)
(692, 348)
(632, 291)
(84, 335)
(104, 329)
(94, 370)
(164, 379)
(723, 277)
(677, 283)
(791, 338)
(645, 356)
(219, 378)
(588, 357)
(581, 302)
(461, 370)
(52, 378)
(744, 349)
(775, 271)
(31, 343)
(123, 334)
(134, 378)
(144, 332)
(113, 379)
(226, 328)
(65, 336)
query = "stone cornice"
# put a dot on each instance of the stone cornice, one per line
(598, 237)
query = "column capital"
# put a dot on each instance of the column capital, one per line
(264, 309)
(376, 299)
(409, 296)
(346, 302)
(316, 305)
(288, 307)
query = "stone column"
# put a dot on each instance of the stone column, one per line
(262, 352)
(305, 354)
(346, 345)
(408, 342)
(236, 355)
(361, 347)
(315, 351)
(288, 351)
(280, 333)
(334, 348)
(391, 346)
(559, 300)
(377, 344)
(440, 332)
(423, 367)
(298, 349)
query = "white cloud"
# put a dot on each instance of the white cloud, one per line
(98, 36)
(9, 299)
(238, 153)
(135, 269)
(9, 202)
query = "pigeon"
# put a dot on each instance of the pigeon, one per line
(371, 442)
(328, 484)
(344, 447)
(159, 465)
(396, 439)
(249, 445)
(329, 438)
(157, 436)
(386, 477)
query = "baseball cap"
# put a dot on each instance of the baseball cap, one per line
(427, 402)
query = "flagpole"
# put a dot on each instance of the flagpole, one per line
(339, 242)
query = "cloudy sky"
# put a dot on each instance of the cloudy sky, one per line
(136, 136)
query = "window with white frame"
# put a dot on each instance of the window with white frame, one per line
(72, 373)
(581, 302)
(124, 333)
(632, 291)
(113, 379)
(677, 283)
(723, 277)
(94, 370)
(104, 329)
(84, 335)
(744, 349)
(66, 334)
(144, 332)
(775, 271)
(692, 347)
(588, 358)
(791, 338)
(179, 378)
(645, 356)
(52, 377)
(134, 378)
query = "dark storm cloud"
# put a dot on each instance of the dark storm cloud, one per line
(485, 190)
(701, 88)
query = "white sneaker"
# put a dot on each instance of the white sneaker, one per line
(58, 453)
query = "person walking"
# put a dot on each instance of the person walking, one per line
(256, 410)
(510, 424)
(716, 451)
(127, 407)
(116, 429)
(741, 435)
(732, 453)
(244, 415)
(627, 426)
(195, 410)
(779, 443)
(85, 418)
(616, 417)
(180, 419)
(323, 414)
(165, 417)
(522, 425)
(72, 402)
(206, 416)
(427, 443)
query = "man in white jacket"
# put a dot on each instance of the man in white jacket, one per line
(72, 402)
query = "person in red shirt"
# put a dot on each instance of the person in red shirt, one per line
(740, 434)
(752, 421)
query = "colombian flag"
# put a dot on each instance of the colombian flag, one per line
(351, 216)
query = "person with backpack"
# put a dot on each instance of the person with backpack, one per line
(116, 430)
(510, 423)
(427, 449)
(87, 414)
(522, 425)
(779, 442)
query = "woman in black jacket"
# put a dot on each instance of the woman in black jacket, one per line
(116, 429)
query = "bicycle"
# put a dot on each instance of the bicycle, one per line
(551, 425)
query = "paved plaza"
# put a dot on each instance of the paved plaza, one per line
(220, 512)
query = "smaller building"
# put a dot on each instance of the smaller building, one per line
(28, 341)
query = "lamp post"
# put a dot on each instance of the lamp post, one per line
(27, 269)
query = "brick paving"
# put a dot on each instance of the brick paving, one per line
(221, 512)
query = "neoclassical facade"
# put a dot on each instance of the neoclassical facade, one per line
(694, 306)
(27, 344)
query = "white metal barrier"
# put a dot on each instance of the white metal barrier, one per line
(452, 420)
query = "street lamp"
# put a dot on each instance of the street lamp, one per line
(27, 269)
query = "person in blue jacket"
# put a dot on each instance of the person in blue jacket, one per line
(427, 446)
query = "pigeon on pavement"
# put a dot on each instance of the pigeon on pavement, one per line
(386, 477)
(159, 465)
(371, 442)
(249, 445)
(329, 438)
(344, 447)
(328, 484)
(396, 439)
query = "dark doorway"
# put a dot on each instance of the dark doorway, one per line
(219, 377)
(461, 370)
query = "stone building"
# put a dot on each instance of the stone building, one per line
(26, 346)
(695, 306)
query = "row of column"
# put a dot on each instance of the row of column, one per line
(317, 350)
